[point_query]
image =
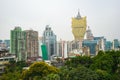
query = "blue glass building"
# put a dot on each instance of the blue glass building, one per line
(49, 39)
(108, 45)
(116, 44)
(91, 44)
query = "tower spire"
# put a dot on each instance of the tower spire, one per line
(78, 15)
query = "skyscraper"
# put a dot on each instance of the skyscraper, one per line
(89, 34)
(49, 39)
(92, 45)
(62, 49)
(108, 45)
(79, 28)
(59, 48)
(116, 44)
(2, 45)
(32, 43)
(18, 41)
(101, 42)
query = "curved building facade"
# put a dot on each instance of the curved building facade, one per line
(79, 27)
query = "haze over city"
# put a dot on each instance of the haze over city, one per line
(102, 16)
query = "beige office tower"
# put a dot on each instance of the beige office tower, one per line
(79, 28)
(32, 43)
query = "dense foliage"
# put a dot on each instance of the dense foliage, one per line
(13, 70)
(40, 70)
(78, 73)
(104, 66)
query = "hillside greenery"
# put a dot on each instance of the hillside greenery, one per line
(104, 66)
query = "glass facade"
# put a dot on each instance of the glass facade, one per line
(44, 52)
(108, 45)
(91, 44)
(116, 44)
(49, 39)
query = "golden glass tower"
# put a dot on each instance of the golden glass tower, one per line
(79, 27)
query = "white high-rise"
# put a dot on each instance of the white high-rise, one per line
(49, 39)
(89, 34)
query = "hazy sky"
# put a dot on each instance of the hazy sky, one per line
(103, 16)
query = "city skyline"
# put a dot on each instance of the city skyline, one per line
(102, 16)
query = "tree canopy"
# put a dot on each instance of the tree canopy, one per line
(104, 66)
(40, 69)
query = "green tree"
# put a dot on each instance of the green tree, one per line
(116, 60)
(79, 73)
(13, 70)
(11, 76)
(99, 55)
(103, 75)
(105, 62)
(53, 77)
(40, 69)
(116, 76)
(64, 71)
(79, 60)
(107, 65)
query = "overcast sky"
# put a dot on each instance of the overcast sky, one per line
(103, 16)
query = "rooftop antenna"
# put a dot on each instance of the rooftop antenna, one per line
(78, 15)
(78, 10)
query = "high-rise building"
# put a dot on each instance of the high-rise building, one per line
(75, 45)
(2, 45)
(108, 45)
(69, 46)
(40, 44)
(92, 45)
(86, 51)
(32, 43)
(44, 52)
(49, 39)
(116, 44)
(59, 48)
(7, 42)
(89, 35)
(101, 42)
(18, 43)
(62, 49)
(79, 28)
